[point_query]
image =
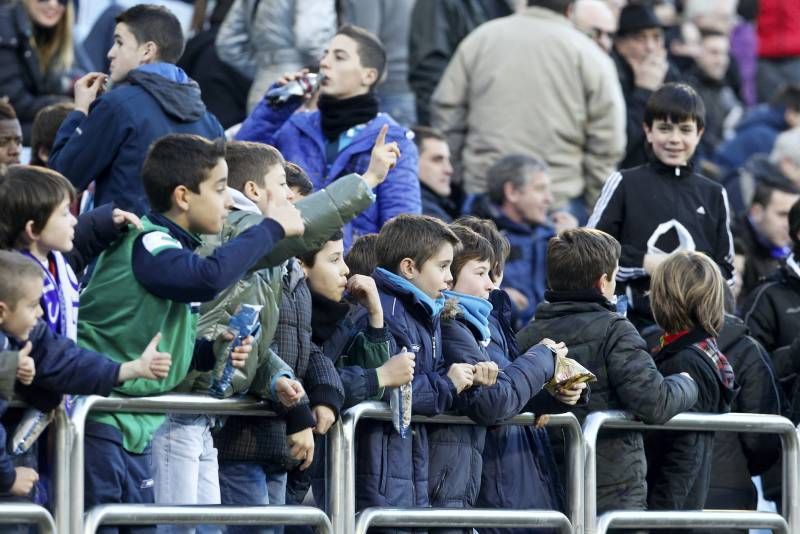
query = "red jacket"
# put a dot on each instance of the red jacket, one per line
(778, 28)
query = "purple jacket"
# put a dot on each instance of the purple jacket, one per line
(299, 138)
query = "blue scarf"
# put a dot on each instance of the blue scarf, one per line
(60, 295)
(476, 312)
(434, 306)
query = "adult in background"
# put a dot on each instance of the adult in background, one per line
(439, 27)
(435, 174)
(36, 54)
(596, 19)
(262, 39)
(560, 101)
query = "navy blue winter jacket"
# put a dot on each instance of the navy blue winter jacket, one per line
(109, 145)
(393, 471)
(299, 138)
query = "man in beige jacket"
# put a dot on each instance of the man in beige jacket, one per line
(532, 84)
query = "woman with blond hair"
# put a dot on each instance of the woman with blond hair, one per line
(686, 295)
(36, 54)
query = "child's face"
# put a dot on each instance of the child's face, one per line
(57, 233)
(207, 209)
(275, 187)
(434, 276)
(328, 276)
(474, 279)
(19, 320)
(673, 143)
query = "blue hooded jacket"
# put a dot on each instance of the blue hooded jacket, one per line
(300, 139)
(109, 145)
(393, 471)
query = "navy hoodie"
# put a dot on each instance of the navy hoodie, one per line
(109, 145)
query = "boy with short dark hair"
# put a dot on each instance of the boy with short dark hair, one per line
(581, 268)
(45, 127)
(361, 256)
(106, 138)
(297, 180)
(664, 206)
(150, 279)
(414, 254)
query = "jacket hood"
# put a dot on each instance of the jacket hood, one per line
(732, 331)
(175, 92)
(241, 202)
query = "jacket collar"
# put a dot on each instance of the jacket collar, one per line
(187, 239)
(241, 202)
(693, 336)
(546, 14)
(583, 295)
(663, 169)
(405, 289)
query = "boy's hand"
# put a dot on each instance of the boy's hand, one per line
(23, 484)
(541, 421)
(291, 76)
(398, 370)
(461, 375)
(26, 368)
(301, 447)
(152, 364)
(383, 159)
(572, 395)
(324, 417)
(240, 353)
(87, 88)
(364, 290)
(124, 218)
(289, 391)
(485, 374)
(287, 215)
(560, 350)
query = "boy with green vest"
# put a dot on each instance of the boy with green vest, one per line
(151, 281)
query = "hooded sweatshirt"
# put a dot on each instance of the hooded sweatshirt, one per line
(109, 145)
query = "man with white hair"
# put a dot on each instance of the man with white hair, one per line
(786, 155)
(595, 19)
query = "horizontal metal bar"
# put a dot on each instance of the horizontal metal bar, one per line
(460, 518)
(710, 519)
(182, 403)
(27, 514)
(143, 514)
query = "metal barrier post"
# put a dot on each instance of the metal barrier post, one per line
(143, 514)
(460, 518)
(707, 519)
(27, 513)
(61, 472)
(341, 483)
(697, 422)
(171, 403)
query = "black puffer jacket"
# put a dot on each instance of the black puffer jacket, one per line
(737, 457)
(679, 463)
(627, 379)
(21, 76)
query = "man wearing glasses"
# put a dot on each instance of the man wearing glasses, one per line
(595, 19)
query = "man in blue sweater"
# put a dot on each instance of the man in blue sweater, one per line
(106, 138)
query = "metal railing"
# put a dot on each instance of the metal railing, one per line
(142, 514)
(730, 422)
(27, 514)
(459, 518)
(171, 403)
(707, 519)
(341, 491)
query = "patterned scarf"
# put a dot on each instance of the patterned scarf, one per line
(60, 296)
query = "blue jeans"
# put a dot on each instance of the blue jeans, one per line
(248, 484)
(185, 467)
